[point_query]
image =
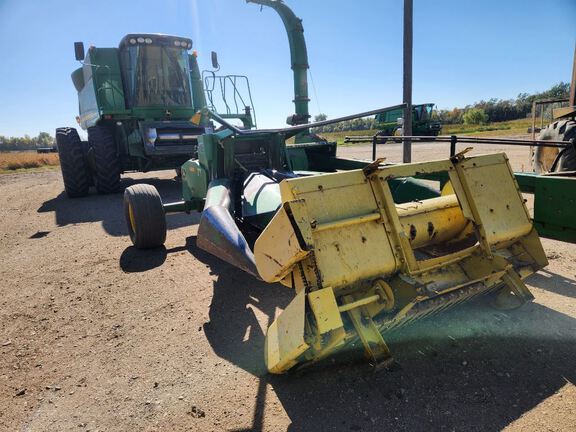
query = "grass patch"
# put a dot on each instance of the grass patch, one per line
(19, 161)
(339, 136)
(512, 127)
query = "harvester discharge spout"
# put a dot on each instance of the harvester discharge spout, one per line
(298, 58)
(362, 265)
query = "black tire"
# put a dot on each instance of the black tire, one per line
(381, 134)
(89, 169)
(72, 162)
(145, 216)
(550, 159)
(567, 157)
(106, 159)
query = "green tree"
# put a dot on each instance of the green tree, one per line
(475, 116)
(44, 139)
(320, 117)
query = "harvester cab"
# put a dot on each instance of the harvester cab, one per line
(424, 122)
(139, 104)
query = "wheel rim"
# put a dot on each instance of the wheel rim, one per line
(132, 218)
(544, 159)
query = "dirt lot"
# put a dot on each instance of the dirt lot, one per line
(96, 335)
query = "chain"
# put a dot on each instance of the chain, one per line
(316, 270)
(303, 276)
(305, 282)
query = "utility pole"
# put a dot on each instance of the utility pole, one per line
(407, 81)
(572, 101)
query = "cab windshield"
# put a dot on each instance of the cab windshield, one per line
(423, 112)
(156, 75)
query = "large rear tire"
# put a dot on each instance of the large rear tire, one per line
(145, 216)
(72, 162)
(89, 169)
(106, 159)
(551, 159)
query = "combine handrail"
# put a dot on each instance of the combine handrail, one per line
(210, 79)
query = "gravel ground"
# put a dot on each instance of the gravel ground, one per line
(95, 335)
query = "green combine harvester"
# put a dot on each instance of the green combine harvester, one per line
(390, 122)
(366, 248)
(136, 103)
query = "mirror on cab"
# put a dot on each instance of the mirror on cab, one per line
(215, 64)
(79, 50)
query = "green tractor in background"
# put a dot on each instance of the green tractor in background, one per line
(137, 104)
(423, 122)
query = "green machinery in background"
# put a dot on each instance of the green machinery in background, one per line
(136, 103)
(423, 122)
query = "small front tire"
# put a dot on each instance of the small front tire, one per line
(145, 216)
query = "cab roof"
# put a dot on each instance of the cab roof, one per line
(155, 39)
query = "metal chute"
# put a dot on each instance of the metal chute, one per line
(218, 233)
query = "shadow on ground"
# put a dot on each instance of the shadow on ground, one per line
(473, 368)
(134, 260)
(108, 209)
(552, 282)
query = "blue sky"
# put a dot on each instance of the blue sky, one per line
(464, 51)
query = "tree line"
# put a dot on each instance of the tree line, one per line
(484, 111)
(365, 123)
(498, 110)
(44, 139)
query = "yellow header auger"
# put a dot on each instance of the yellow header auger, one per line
(361, 265)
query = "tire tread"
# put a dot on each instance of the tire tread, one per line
(106, 161)
(149, 214)
(72, 163)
